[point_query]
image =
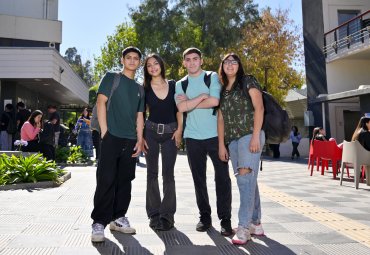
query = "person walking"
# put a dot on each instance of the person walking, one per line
(163, 133)
(295, 137)
(241, 139)
(122, 137)
(84, 136)
(200, 135)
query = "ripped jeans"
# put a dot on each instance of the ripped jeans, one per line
(241, 157)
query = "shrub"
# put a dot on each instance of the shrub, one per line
(73, 154)
(32, 168)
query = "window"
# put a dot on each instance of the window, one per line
(352, 27)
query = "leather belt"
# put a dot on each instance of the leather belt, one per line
(160, 128)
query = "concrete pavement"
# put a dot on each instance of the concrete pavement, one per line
(301, 215)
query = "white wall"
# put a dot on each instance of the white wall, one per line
(30, 29)
(347, 74)
(287, 148)
(38, 9)
(331, 7)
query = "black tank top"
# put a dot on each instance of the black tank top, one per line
(161, 111)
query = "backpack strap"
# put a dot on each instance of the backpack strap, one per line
(184, 83)
(207, 78)
(116, 80)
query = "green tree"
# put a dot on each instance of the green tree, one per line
(270, 49)
(84, 70)
(110, 58)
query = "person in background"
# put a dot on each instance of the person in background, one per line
(319, 134)
(84, 137)
(296, 137)
(362, 132)
(6, 119)
(163, 131)
(47, 137)
(21, 117)
(52, 109)
(30, 131)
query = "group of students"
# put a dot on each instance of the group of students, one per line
(230, 131)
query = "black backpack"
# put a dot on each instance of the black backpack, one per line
(276, 122)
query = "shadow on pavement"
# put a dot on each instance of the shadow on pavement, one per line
(258, 245)
(177, 243)
(129, 243)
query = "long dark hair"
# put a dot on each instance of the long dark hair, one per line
(360, 126)
(83, 116)
(222, 75)
(295, 130)
(147, 76)
(33, 115)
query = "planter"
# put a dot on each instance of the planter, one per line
(37, 185)
(90, 163)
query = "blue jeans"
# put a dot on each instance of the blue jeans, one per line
(241, 157)
(84, 139)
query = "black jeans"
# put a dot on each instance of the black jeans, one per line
(116, 170)
(48, 151)
(96, 142)
(197, 157)
(295, 149)
(154, 206)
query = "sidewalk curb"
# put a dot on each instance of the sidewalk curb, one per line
(37, 185)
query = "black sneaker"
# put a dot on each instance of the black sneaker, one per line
(154, 221)
(164, 225)
(226, 229)
(203, 226)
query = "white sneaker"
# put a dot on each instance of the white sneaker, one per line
(256, 229)
(122, 225)
(97, 234)
(241, 236)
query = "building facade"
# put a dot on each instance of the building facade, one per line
(337, 56)
(31, 67)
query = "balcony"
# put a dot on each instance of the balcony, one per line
(349, 40)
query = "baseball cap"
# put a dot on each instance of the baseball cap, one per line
(131, 49)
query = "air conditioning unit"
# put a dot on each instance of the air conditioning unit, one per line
(52, 45)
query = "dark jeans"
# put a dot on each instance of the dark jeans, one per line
(197, 157)
(32, 146)
(295, 149)
(48, 151)
(116, 170)
(96, 142)
(154, 206)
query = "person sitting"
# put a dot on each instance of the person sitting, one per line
(30, 130)
(319, 134)
(362, 132)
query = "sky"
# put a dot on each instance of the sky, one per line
(86, 23)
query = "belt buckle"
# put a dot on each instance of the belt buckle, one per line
(160, 129)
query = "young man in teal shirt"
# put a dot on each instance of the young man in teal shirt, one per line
(201, 139)
(122, 137)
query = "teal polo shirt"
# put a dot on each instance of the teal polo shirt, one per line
(200, 123)
(126, 102)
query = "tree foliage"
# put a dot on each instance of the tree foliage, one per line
(109, 59)
(272, 47)
(84, 70)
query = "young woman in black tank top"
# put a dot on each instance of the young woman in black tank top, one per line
(163, 131)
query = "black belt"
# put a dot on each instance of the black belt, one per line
(161, 128)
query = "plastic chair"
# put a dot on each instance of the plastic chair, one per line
(325, 151)
(358, 156)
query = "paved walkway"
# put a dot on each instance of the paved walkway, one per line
(301, 215)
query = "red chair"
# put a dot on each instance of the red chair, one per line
(325, 151)
(311, 160)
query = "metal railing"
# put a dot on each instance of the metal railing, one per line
(350, 33)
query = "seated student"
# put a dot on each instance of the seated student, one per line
(362, 132)
(319, 134)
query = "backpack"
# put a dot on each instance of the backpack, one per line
(12, 126)
(94, 122)
(276, 122)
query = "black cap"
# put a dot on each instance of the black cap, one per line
(130, 49)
